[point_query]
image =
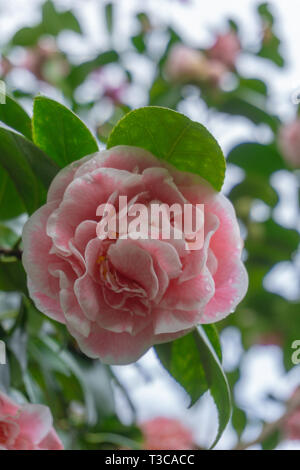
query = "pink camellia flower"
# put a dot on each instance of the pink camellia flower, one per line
(26, 427)
(118, 297)
(225, 49)
(289, 142)
(166, 434)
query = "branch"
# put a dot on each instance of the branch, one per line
(16, 253)
(292, 405)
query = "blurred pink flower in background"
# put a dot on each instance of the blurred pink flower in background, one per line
(45, 61)
(272, 338)
(26, 427)
(5, 66)
(166, 434)
(187, 64)
(225, 49)
(289, 142)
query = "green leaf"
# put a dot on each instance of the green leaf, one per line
(109, 16)
(172, 137)
(243, 106)
(269, 243)
(28, 37)
(60, 133)
(79, 72)
(254, 85)
(139, 42)
(216, 379)
(12, 277)
(11, 204)
(239, 420)
(194, 363)
(161, 94)
(54, 22)
(264, 12)
(252, 187)
(212, 334)
(13, 115)
(182, 361)
(256, 158)
(272, 440)
(28, 167)
(270, 43)
(8, 238)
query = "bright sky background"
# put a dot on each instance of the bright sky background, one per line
(197, 21)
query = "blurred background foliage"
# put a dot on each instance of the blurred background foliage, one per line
(44, 364)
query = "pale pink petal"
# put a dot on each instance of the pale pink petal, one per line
(81, 200)
(36, 248)
(63, 178)
(231, 279)
(115, 348)
(7, 406)
(122, 157)
(51, 442)
(165, 255)
(74, 315)
(35, 422)
(126, 256)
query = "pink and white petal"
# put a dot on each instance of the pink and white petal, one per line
(85, 232)
(161, 186)
(35, 422)
(115, 348)
(173, 321)
(51, 442)
(228, 294)
(7, 406)
(165, 255)
(230, 277)
(81, 200)
(167, 337)
(74, 315)
(63, 178)
(36, 248)
(94, 249)
(92, 302)
(127, 258)
(9, 431)
(50, 306)
(194, 261)
(190, 295)
(121, 157)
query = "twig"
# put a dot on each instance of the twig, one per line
(269, 428)
(15, 253)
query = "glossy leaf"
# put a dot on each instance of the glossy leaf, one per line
(256, 158)
(60, 133)
(174, 138)
(28, 167)
(194, 364)
(13, 115)
(11, 204)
